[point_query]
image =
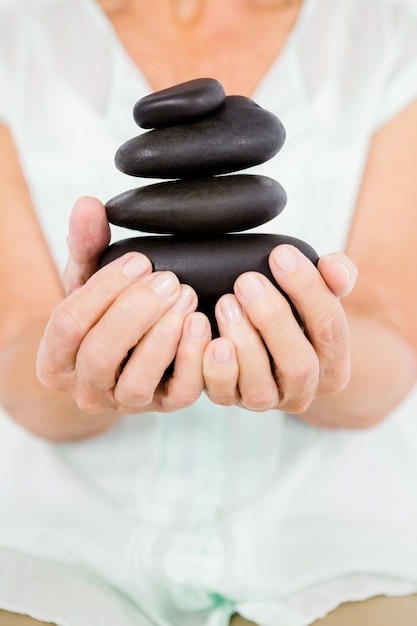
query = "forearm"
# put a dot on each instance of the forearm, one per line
(383, 370)
(47, 413)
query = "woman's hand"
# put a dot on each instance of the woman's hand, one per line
(264, 359)
(110, 341)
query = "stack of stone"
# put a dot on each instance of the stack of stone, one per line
(199, 138)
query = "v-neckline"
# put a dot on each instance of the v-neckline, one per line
(104, 22)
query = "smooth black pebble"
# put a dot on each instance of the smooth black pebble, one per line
(209, 264)
(180, 103)
(237, 135)
(220, 204)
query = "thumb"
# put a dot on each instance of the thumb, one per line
(339, 273)
(89, 235)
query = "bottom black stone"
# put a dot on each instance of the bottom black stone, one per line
(208, 264)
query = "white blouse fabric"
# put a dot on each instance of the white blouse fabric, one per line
(189, 517)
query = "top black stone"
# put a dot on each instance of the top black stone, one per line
(180, 103)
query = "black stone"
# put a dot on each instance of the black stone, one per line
(237, 135)
(209, 205)
(209, 264)
(180, 103)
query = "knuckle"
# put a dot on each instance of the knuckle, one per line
(89, 404)
(66, 323)
(307, 374)
(181, 399)
(97, 377)
(49, 373)
(133, 392)
(137, 297)
(260, 399)
(299, 405)
(93, 357)
(299, 383)
(222, 399)
(303, 371)
(45, 370)
(336, 377)
(127, 302)
(167, 333)
(331, 330)
(104, 290)
(186, 397)
(269, 317)
(50, 378)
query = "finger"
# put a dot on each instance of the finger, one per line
(89, 235)
(108, 343)
(339, 273)
(221, 371)
(295, 364)
(257, 386)
(74, 317)
(185, 385)
(320, 311)
(152, 356)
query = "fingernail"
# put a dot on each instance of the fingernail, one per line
(250, 287)
(185, 299)
(198, 326)
(348, 266)
(135, 267)
(344, 267)
(222, 354)
(165, 284)
(231, 310)
(285, 259)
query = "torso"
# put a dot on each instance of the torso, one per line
(243, 39)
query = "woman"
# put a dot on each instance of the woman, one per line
(281, 492)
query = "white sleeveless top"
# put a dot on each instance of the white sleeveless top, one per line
(189, 517)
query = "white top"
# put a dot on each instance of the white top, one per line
(189, 517)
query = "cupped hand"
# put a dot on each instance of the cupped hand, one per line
(265, 358)
(111, 340)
